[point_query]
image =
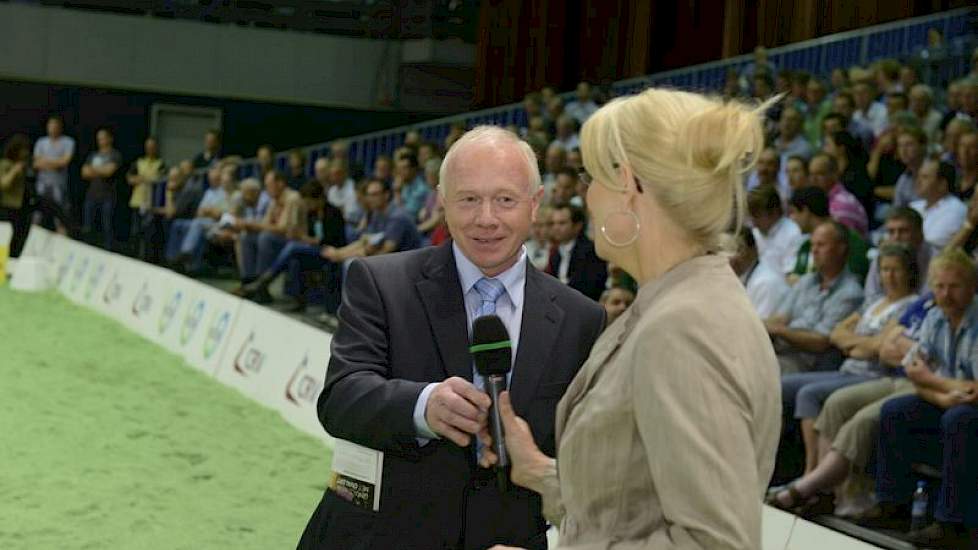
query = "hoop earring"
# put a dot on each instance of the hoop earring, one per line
(630, 240)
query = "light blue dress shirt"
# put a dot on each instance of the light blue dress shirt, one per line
(509, 308)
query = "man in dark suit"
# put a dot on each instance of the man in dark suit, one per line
(572, 256)
(401, 381)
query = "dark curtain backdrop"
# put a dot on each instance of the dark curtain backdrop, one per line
(524, 45)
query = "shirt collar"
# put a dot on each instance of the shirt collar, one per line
(514, 278)
(567, 247)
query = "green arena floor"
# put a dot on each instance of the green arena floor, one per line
(107, 441)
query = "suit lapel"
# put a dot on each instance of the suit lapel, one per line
(541, 322)
(441, 293)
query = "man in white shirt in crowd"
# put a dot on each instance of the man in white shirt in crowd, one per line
(766, 288)
(777, 237)
(869, 111)
(341, 190)
(942, 211)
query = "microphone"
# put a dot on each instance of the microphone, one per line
(493, 355)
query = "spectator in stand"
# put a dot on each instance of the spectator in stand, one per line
(768, 172)
(903, 226)
(539, 243)
(777, 237)
(583, 106)
(844, 207)
(967, 157)
(554, 162)
(427, 151)
(413, 187)
(859, 337)
(615, 301)
(797, 173)
(760, 65)
(765, 286)
(243, 212)
(143, 174)
(532, 108)
(937, 425)
(102, 171)
(566, 134)
(816, 304)
(303, 255)
(297, 169)
(851, 161)
(265, 155)
(844, 104)
(909, 77)
(285, 220)
(943, 212)
(911, 150)
(574, 160)
(412, 139)
(922, 106)
(14, 207)
(212, 150)
(188, 237)
(432, 215)
(572, 257)
(52, 155)
(791, 141)
(884, 168)
(809, 208)
(896, 103)
(799, 91)
(341, 190)
(555, 110)
(952, 135)
(388, 229)
(339, 150)
(565, 189)
(180, 201)
(383, 168)
(869, 112)
(819, 105)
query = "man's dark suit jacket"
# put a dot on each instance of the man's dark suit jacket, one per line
(587, 272)
(403, 325)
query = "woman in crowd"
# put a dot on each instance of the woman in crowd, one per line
(859, 337)
(667, 436)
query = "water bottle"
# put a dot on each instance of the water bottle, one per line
(918, 511)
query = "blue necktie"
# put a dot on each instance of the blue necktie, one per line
(489, 291)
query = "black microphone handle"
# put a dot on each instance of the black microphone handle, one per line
(495, 385)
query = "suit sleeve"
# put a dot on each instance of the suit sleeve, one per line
(360, 402)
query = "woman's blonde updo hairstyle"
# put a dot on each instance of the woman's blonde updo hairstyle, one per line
(689, 151)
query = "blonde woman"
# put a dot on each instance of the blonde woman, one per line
(666, 438)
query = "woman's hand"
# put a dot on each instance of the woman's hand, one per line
(524, 455)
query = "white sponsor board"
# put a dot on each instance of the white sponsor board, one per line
(280, 363)
(205, 343)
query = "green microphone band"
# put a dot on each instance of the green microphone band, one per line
(490, 346)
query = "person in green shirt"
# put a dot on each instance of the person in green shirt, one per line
(809, 207)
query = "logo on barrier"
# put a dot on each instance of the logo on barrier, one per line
(170, 311)
(113, 290)
(93, 280)
(143, 301)
(249, 359)
(65, 267)
(191, 321)
(303, 387)
(215, 333)
(79, 273)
